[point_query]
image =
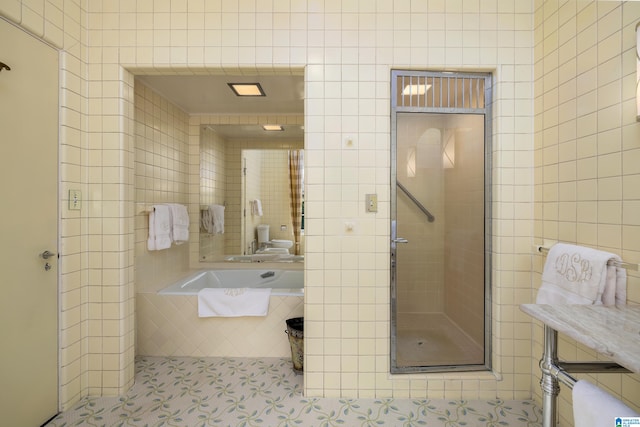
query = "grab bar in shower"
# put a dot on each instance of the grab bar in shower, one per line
(420, 206)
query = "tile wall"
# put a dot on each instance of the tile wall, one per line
(252, 160)
(169, 326)
(161, 176)
(275, 193)
(587, 147)
(213, 188)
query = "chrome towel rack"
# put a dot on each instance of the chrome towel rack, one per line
(628, 265)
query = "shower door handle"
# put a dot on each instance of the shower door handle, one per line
(400, 240)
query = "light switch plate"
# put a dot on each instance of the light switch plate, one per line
(371, 202)
(75, 200)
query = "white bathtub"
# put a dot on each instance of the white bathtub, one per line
(281, 282)
(167, 322)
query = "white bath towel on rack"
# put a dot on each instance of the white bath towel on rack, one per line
(217, 217)
(233, 302)
(179, 223)
(580, 275)
(593, 407)
(159, 228)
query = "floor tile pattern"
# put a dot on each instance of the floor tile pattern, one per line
(247, 392)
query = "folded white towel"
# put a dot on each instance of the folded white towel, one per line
(593, 407)
(233, 302)
(159, 228)
(217, 218)
(256, 207)
(579, 275)
(179, 223)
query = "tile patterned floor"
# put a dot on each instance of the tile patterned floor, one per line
(266, 392)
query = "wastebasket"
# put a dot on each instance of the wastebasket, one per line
(295, 330)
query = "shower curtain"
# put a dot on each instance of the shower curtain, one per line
(295, 190)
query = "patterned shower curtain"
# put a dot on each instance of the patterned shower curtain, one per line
(295, 190)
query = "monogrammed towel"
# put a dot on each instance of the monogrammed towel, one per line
(579, 275)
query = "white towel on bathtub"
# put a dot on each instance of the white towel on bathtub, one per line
(233, 302)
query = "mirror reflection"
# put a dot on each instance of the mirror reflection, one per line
(251, 193)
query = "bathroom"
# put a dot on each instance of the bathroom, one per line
(565, 164)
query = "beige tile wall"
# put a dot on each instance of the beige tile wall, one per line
(587, 143)
(275, 193)
(170, 326)
(213, 188)
(161, 176)
(251, 181)
(346, 50)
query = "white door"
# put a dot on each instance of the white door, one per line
(28, 227)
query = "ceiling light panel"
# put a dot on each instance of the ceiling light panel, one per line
(247, 89)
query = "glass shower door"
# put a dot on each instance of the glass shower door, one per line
(440, 310)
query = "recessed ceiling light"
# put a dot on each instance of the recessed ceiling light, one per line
(272, 128)
(415, 89)
(247, 89)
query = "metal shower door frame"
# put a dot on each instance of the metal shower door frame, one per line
(395, 239)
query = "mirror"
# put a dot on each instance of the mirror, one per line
(245, 173)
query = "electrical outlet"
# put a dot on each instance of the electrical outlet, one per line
(75, 200)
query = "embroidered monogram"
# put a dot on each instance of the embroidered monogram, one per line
(573, 268)
(234, 292)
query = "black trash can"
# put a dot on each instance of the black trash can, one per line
(295, 330)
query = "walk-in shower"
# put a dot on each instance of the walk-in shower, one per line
(440, 221)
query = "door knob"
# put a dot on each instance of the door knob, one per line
(47, 255)
(400, 240)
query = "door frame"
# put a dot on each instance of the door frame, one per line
(488, 298)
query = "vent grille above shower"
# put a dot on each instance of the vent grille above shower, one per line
(440, 92)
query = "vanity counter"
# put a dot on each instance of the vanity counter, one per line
(613, 331)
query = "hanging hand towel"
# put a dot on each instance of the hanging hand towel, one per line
(217, 218)
(593, 407)
(179, 223)
(159, 228)
(206, 220)
(579, 275)
(233, 302)
(256, 207)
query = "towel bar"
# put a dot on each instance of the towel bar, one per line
(628, 265)
(146, 209)
(554, 371)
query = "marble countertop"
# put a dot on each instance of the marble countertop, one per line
(612, 331)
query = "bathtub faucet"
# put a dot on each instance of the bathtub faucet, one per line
(268, 274)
